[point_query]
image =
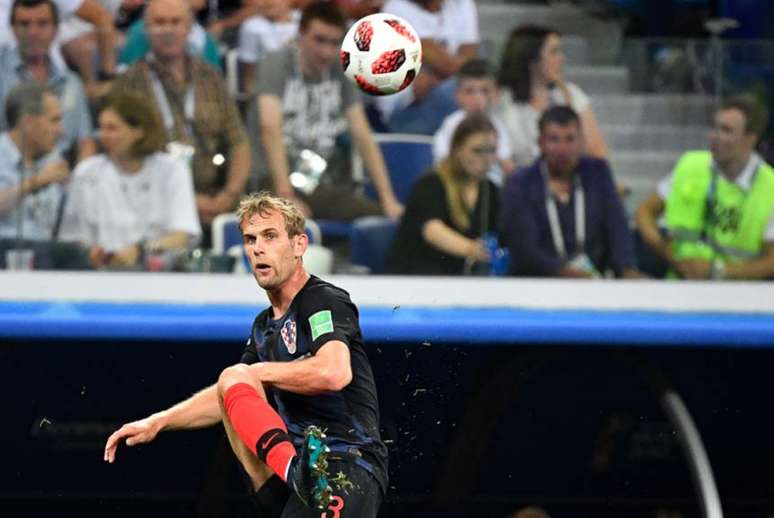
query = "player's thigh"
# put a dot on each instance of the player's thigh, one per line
(362, 500)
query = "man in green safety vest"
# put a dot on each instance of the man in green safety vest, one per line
(718, 205)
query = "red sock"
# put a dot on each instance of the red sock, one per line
(252, 419)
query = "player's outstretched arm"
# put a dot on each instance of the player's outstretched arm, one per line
(200, 410)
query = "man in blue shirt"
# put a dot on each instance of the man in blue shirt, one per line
(562, 216)
(34, 23)
(31, 177)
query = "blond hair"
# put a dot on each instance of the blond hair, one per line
(263, 202)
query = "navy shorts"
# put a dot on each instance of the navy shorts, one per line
(361, 501)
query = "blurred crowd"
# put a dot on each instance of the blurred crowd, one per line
(130, 127)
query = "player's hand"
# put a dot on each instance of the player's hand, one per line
(137, 432)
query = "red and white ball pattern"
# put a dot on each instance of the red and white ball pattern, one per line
(381, 54)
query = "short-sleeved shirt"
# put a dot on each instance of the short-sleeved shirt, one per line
(443, 137)
(410, 254)
(313, 108)
(217, 126)
(114, 210)
(320, 313)
(743, 180)
(39, 209)
(521, 120)
(258, 35)
(76, 117)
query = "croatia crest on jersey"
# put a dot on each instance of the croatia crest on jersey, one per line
(288, 334)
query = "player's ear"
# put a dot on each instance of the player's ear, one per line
(300, 244)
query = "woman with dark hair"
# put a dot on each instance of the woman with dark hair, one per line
(532, 77)
(451, 209)
(134, 198)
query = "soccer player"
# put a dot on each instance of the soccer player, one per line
(306, 353)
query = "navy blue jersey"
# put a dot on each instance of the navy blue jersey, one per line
(319, 313)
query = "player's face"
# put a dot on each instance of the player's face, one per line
(319, 45)
(477, 153)
(561, 146)
(272, 253)
(476, 95)
(729, 142)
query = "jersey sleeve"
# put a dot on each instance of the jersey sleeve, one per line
(249, 354)
(326, 316)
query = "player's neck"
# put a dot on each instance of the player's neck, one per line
(283, 296)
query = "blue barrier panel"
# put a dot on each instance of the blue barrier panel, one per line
(494, 326)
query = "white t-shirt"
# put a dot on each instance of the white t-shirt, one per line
(521, 120)
(114, 210)
(442, 142)
(456, 24)
(257, 36)
(744, 181)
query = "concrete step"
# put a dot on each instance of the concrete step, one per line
(629, 137)
(598, 79)
(666, 109)
(641, 171)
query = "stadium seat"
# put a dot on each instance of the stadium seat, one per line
(407, 157)
(371, 239)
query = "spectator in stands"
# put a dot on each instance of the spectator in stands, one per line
(134, 198)
(352, 9)
(305, 102)
(562, 215)
(476, 93)
(34, 24)
(200, 42)
(199, 116)
(272, 29)
(532, 77)
(449, 33)
(718, 205)
(31, 177)
(84, 38)
(86, 11)
(450, 210)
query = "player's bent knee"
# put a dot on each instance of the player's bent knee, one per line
(231, 376)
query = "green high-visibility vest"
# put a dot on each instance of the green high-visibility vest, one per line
(709, 217)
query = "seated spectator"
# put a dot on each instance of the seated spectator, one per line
(91, 13)
(135, 198)
(718, 205)
(34, 24)
(272, 29)
(31, 177)
(352, 9)
(532, 77)
(200, 118)
(452, 209)
(200, 42)
(562, 216)
(89, 34)
(449, 33)
(476, 93)
(306, 103)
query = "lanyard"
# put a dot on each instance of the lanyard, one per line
(166, 109)
(553, 216)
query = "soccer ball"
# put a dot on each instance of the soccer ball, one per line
(381, 53)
